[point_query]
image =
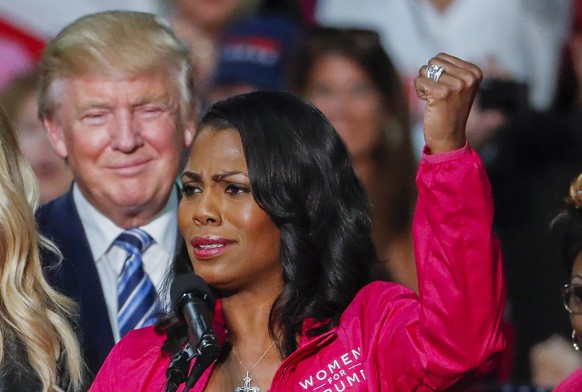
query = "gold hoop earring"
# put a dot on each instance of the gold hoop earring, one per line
(575, 343)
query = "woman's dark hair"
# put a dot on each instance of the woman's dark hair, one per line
(301, 175)
(567, 225)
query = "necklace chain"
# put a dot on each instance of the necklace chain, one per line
(247, 387)
(256, 363)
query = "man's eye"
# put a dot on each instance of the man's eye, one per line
(151, 111)
(95, 118)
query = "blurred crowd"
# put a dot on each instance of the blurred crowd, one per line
(357, 64)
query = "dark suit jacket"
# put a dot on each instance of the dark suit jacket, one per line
(77, 277)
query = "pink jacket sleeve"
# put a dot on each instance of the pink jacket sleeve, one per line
(456, 333)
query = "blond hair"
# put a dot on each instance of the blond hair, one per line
(32, 313)
(116, 44)
(575, 196)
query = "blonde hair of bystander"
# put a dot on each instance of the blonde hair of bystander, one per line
(33, 316)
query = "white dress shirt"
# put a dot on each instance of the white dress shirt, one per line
(109, 260)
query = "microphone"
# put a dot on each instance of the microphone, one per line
(193, 302)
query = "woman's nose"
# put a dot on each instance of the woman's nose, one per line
(206, 211)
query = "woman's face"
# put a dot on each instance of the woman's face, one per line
(346, 95)
(576, 319)
(207, 14)
(52, 172)
(233, 244)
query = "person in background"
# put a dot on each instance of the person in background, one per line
(277, 223)
(521, 40)
(554, 358)
(19, 99)
(347, 74)
(534, 155)
(199, 24)
(116, 99)
(568, 225)
(39, 350)
(253, 54)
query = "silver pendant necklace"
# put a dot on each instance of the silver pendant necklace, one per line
(247, 387)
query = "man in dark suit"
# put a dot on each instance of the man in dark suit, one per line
(116, 100)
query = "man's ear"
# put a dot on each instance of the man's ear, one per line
(189, 132)
(55, 134)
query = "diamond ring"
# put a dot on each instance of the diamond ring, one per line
(434, 72)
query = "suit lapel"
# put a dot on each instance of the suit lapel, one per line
(78, 278)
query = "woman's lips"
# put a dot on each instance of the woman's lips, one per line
(209, 247)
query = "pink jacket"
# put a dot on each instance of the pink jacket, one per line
(389, 339)
(573, 383)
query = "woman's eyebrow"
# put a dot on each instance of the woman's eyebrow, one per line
(191, 175)
(222, 176)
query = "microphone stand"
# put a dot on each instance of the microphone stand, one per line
(206, 353)
(178, 369)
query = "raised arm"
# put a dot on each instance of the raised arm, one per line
(462, 293)
(451, 333)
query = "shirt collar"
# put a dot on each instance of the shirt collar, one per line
(101, 231)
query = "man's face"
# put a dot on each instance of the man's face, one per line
(123, 141)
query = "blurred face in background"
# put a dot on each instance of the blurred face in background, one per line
(53, 173)
(345, 94)
(199, 23)
(207, 14)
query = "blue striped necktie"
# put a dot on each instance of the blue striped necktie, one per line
(137, 299)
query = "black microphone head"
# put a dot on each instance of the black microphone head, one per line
(191, 283)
